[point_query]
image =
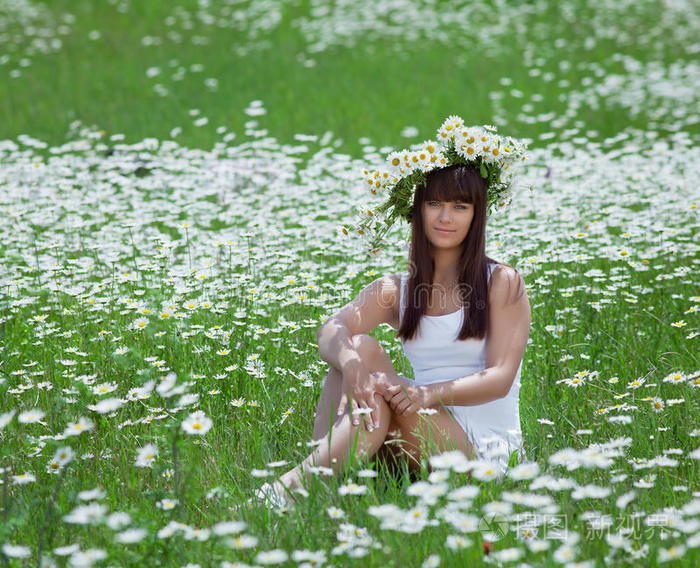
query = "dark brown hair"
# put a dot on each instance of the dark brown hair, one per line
(454, 183)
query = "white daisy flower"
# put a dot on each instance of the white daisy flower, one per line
(6, 418)
(454, 460)
(228, 527)
(16, 551)
(524, 471)
(657, 404)
(23, 478)
(31, 416)
(146, 456)
(352, 489)
(118, 520)
(104, 388)
(675, 378)
(309, 557)
(167, 504)
(91, 494)
(276, 556)
(457, 542)
(131, 536)
(107, 405)
(335, 513)
(86, 514)
(590, 492)
(63, 455)
(197, 423)
(77, 428)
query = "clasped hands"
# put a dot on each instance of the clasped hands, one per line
(402, 395)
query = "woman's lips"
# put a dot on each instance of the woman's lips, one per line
(445, 230)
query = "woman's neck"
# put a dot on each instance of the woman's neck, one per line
(445, 267)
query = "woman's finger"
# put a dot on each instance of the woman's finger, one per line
(397, 398)
(355, 417)
(402, 406)
(368, 420)
(374, 415)
(398, 401)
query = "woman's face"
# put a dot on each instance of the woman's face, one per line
(447, 223)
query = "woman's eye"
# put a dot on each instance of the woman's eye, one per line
(461, 206)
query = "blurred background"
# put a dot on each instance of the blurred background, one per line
(385, 72)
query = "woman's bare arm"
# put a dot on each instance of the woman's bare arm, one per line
(509, 328)
(377, 303)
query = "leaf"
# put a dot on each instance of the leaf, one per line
(484, 171)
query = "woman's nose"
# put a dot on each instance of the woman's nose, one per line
(444, 213)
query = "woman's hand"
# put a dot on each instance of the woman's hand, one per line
(404, 396)
(360, 387)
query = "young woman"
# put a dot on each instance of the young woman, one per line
(463, 320)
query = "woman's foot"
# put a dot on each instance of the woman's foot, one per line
(278, 496)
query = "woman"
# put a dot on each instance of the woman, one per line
(463, 320)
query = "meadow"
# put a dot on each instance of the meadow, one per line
(175, 179)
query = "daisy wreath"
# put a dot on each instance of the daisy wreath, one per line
(480, 146)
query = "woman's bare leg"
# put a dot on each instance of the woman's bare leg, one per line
(328, 403)
(335, 447)
(411, 432)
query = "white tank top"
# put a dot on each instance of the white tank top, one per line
(436, 355)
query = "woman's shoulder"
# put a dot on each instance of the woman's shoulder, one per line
(506, 283)
(388, 289)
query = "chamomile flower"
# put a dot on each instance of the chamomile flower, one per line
(352, 489)
(77, 428)
(31, 416)
(636, 383)
(106, 405)
(394, 160)
(6, 418)
(131, 536)
(104, 388)
(146, 456)
(276, 556)
(449, 128)
(676, 378)
(197, 423)
(62, 457)
(23, 478)
(16, 551)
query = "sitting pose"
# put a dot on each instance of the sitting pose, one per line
(463, 320)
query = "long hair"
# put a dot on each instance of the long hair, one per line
(454, 183)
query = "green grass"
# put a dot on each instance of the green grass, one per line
(55, 237)
(372, 90)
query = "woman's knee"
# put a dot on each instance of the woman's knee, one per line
(365, 344)
(371, 351)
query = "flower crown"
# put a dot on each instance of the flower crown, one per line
(479, 146)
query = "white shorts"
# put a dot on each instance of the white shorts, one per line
(489, 445)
